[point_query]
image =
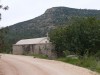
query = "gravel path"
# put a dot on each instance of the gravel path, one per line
(26, 65)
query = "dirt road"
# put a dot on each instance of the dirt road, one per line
(25, 65)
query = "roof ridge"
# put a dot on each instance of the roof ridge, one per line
(33, 41)
(34, 38)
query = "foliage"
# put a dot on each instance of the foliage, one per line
(69, 60)
(4, 8)
(89, 62)
(82, 37)
(40, 56)
(3, 43)
(3, 32)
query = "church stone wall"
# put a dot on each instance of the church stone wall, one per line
(46, 49)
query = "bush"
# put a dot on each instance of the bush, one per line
(98, 67)
(88, 62)
(40, 56)
(69, 60)
(81, 36)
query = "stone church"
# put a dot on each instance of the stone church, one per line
(35, 46)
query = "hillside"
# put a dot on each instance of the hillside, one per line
(39, 26)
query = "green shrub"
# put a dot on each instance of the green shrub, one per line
(70, 60)
(88, 62)
(40, 56)
(98, 67)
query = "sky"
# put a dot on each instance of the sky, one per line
(22, 10)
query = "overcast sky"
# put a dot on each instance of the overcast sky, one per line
(22, 10)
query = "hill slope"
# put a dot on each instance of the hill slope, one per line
(39, 26)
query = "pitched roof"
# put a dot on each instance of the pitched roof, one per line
(33, 41)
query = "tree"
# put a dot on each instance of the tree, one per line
(57, 38)
(4, 8)
(81, 36)
(3, 31)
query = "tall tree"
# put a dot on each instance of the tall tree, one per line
(2, 31)
(81, 36)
